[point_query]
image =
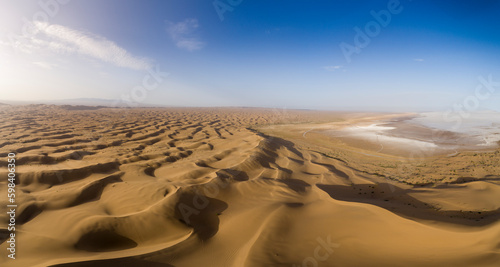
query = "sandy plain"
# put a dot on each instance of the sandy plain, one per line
(244, 187)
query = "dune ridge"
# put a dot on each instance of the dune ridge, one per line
(236, 187)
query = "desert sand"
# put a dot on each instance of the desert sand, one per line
(244, 187)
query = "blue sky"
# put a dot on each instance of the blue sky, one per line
(429, 55)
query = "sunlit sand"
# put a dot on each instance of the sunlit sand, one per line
(245, 187)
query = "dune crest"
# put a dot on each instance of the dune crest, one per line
(237, 187)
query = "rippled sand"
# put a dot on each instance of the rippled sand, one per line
(238, 187)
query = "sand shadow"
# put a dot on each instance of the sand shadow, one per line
(4, 235)
(296, 185)
(123, 262)
(104, 241)
(398, 201)
(200, 212)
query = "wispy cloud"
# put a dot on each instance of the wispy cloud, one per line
(44, 65)
(63, 40)
(333, 68)
(183, 34)
(418, 59)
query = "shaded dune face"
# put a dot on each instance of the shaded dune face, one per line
(229, 187)
(102, 241)
(204, 221)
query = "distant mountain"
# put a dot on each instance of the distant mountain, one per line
(84, 102)
(96, 102)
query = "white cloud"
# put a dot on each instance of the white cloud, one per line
(63, 40)
(333, 68)
(183, 34)
(418, 59)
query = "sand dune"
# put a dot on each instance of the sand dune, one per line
(238, 187)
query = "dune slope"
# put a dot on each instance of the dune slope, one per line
(224, 187)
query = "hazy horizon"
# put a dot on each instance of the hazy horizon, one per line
(250, 133)
(380, 55)
(117, 103)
